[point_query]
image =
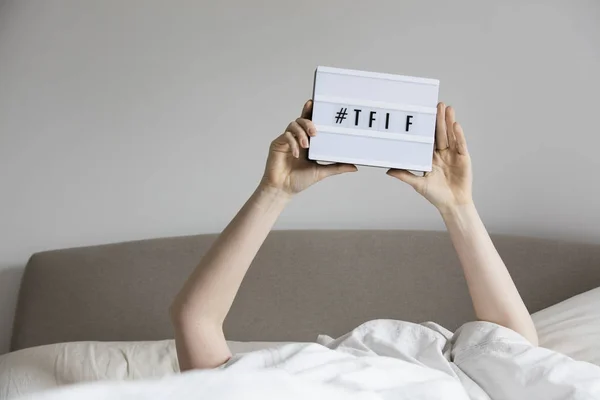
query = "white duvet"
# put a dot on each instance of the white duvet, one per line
(380, 359)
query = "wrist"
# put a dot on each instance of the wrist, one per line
(457, 211)
(462, 220)
(275, 188)
(269, 193)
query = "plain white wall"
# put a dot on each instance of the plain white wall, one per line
(124, 120)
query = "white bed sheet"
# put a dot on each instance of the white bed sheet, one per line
(571, 328)
(382, 359)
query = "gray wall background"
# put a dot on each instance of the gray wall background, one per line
(133, 119)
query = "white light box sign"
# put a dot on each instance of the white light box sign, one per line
(374, 119)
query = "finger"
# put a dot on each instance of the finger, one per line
(291, 140)
(405, 176)
(307, 110)
(308, 126)
(441, 140)
(299, 133)
(461, 142)
(336, 169)
(450, 119)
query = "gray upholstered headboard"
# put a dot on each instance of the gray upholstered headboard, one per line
(301, 284)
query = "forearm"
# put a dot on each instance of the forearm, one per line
(493, 292)
(210, 290)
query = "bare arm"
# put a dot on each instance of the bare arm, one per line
(448, 187)
(201, 306)
(493, 292)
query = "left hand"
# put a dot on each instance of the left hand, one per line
(288, 168)
(449, 183)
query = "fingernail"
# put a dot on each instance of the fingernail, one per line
(305, 143)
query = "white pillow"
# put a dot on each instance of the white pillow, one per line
(45, 367)
(572, 327)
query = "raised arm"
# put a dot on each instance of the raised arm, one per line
(198, 311)
(448, 187)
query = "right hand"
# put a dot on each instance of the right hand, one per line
(449, 183)
(288, 168)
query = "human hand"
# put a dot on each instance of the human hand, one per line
(288, 168)
(449, 183)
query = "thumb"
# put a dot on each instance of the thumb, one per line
(405, 176)
(336, 169)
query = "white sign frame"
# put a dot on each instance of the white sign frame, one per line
(374, 119)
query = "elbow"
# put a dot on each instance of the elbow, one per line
(529, 331)
(174, 313)
(533, 337)
(183, 320)
(190, 316)
(523, 326)
(179, 313)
